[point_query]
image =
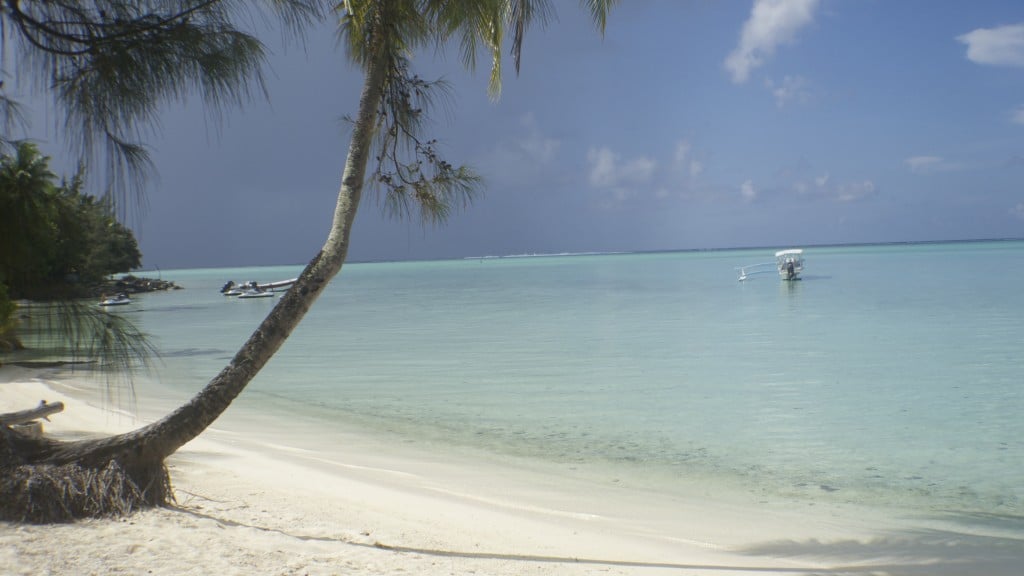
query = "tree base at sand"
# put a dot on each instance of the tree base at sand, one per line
(36, 489)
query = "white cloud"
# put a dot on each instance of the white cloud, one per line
(854, 191)
(524, 154)
(607, 170)
(638, 170)
(1001, 46)
(696, 167)
(792, 89)
(771, 23)
(682, 152)
(602, 167)
(923, 164)
(1018, 211)
(536, 145)
(1017, 116)
(933, 164)
(824, 187)
(683, 161)
(748, 191)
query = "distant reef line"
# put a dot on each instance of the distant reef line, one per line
(779, 246)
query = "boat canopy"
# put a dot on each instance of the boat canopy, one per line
(793, 252)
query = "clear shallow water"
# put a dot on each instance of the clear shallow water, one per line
(890, 375)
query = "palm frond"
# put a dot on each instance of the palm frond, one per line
(521, 14)
(599, 10)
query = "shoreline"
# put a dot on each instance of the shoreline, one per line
(250, 503)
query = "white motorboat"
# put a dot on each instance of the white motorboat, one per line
(788, 263)
(238, 289)
(255, 293)
(117, 300)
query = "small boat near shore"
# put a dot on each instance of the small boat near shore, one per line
(255, 294)
(116, 300)
(788, 263)
(239, 289)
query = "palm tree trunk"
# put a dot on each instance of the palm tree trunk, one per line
(151, 444)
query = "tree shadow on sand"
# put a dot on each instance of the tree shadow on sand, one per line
(931, 552)
(969, 543)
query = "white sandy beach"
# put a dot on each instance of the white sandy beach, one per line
(249, 505)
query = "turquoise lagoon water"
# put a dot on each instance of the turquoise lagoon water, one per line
(890, 375)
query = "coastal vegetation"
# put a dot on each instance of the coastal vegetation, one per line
(56, 238)
(122, 55)
(58, 243)
(105, 69)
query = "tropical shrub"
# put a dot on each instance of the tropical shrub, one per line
(54, 237)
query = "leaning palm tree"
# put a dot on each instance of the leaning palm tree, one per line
(106, 67)
(380, 36)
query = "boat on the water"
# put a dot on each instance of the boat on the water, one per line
(255, 293)
(119, 299)
(788, 263)
(233, 289)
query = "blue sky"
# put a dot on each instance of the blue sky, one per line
(690, 124)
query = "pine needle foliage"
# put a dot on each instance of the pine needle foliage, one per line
(80, 333)
(109, 66)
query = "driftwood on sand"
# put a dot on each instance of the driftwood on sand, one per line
(22, 416)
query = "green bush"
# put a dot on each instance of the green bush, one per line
(55, 238)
